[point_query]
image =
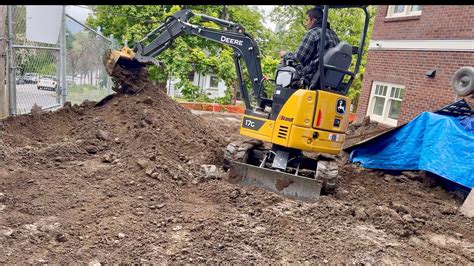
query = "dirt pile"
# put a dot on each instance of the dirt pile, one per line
(362, 130)
(146, 130)
(138, 181)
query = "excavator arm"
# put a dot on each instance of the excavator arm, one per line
(244, 46)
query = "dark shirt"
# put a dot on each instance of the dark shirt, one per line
(308, 51)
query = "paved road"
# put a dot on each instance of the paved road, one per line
(28, 95)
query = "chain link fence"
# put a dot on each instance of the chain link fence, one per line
(35, 66)
(36, 73)
(86, 76)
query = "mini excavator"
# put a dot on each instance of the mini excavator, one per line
(305, 114)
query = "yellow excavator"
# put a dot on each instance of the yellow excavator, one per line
(304, 114)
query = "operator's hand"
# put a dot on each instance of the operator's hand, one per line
(282, 53)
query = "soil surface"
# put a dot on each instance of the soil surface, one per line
(139, 180)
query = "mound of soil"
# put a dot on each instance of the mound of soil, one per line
(139, 181)
(362, 130)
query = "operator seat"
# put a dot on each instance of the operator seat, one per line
(339, 56)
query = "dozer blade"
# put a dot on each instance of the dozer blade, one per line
(289, 185)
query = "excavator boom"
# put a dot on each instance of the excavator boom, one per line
(160, 39)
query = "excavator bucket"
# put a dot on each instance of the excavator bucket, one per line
(114, 57)
(282, 183)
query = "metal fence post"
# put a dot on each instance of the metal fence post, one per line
(111, 47)
(4, 112)
(62, 56)
(10, 65)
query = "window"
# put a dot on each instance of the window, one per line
(191, 76)
(385, 102)
(214, 82)
(395, 11)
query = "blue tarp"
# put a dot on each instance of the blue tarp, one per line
(468, 123)
(430, 142)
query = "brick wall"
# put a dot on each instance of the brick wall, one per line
(408, 68)
(435, 22)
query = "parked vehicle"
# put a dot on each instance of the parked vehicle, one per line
(19, 80)
(30, 78)
(47, 83)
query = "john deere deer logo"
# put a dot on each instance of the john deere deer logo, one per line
(341, 106)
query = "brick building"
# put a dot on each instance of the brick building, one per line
(408, 43)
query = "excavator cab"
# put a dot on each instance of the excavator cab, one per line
(304, 114)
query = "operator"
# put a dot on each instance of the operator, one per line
(308, 51)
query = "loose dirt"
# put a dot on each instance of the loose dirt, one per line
(134, 182)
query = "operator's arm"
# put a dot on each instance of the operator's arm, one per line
(305, 50)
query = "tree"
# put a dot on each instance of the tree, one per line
(43, 62)
(347, 23)
(84, 53)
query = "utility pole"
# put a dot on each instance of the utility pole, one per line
(3, 55)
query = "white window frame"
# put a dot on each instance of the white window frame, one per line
(218, 80)
(384, 119)
(407, 12)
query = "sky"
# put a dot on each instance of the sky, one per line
(267, 9)
(81, 13)
(78, 13)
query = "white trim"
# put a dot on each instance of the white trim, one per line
(425, 45)
(406, 13)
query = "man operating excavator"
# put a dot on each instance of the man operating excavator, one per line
(308, 51)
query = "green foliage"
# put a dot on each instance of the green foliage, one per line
(41, 62)
(189, 91)
(203, 98)
(226, 99)
(49, 69)
(269, 65)
(158, 74)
